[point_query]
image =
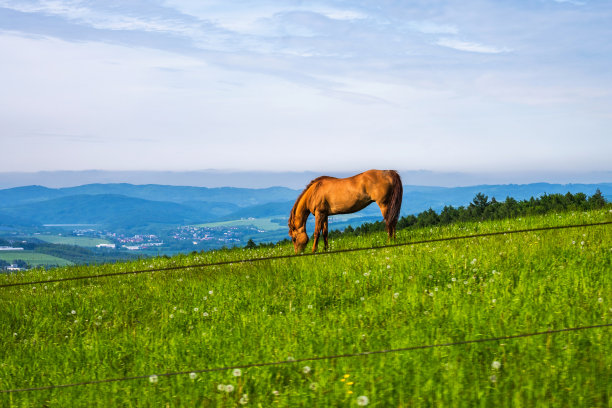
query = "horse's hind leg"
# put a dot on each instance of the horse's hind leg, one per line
(325, 232)
(390, 228)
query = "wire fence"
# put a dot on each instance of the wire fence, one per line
(301, 360)
(277, 257)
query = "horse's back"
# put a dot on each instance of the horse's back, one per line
(351, 194)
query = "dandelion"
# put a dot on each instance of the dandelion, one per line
(600, 300)
(229, 388)
(410, 277)
(193, 376)
(473, 261)
(237, 372)
(357, 281)
(221, 387)
(275, 392)
(313, 386)
(493, 378)
(349, 392)
(290, 358)
(205, 314)
(15, 334)
(153, 379)
(469, 292)
(244, 400)
(388, 266)
(366, 274)
(310, 306)
(465, 282)
(210, 292)
(430, 276)
(171, 316)
(436, 289)
(73, 312)
(306, 369)
(195, 309)
(396, 295)
(493, 300)
(454, 279)
(495, 365)
(362, 401)
(362, 298)
(581, 242)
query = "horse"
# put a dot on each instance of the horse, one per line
(325, 196)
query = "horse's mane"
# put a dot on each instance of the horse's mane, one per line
(292, 214)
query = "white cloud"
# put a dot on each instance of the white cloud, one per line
(470, 46)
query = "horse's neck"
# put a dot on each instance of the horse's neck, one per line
(301, 212)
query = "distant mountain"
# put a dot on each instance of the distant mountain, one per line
(241, 197)
(292, 179)
(106, 209)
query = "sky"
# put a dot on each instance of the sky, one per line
(329, 85)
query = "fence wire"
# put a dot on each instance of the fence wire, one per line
(301, 360)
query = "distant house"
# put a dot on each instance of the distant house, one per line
(8, 248)
(105, 246)
(14, 268)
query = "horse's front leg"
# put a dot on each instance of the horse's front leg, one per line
(319, 226)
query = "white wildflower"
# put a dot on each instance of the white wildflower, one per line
(153, 378)
(237, 372)
(362, 401)
(306, 369)
(495, 365)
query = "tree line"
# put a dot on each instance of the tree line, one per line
(483, 209)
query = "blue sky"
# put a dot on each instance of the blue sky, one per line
(471, 86)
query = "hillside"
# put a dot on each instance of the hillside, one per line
(180, 322)
(106, 209)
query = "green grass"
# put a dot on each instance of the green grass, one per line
(33, 258)
(78, 241)
(262, 223)
(132, 325)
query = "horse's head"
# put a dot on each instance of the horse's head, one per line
(299, 237)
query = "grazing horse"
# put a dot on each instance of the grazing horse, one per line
(325, 196)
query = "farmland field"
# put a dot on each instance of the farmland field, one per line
(33, 258)
(330, 304)
(261, 223)
(69, 240)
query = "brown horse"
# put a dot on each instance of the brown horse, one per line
(325, 196)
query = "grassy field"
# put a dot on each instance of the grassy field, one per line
(33, 258)
(181, 321)
(78, 241)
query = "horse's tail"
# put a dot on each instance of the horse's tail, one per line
(395, 201)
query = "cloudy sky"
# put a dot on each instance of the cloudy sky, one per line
(470, 85)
